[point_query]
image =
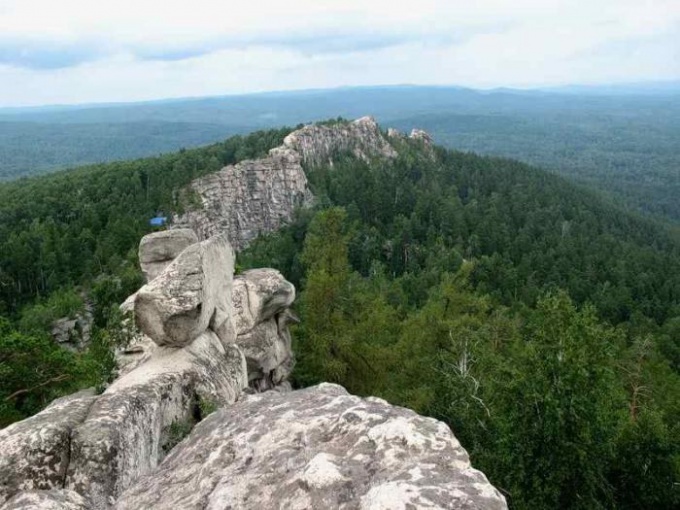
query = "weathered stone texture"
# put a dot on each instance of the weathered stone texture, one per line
(318, 143)
(190, 295)
(35, 453)
(55, 499)
(317, 448)
(158, 249)
(249, 198)
(259, 196)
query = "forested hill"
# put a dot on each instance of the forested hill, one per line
(537, 319)
(622, 142)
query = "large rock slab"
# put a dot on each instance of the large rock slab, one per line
(158, 249)
(192, 294)
(315, 448)
(47, 500)
(127, 427)
(35, 453)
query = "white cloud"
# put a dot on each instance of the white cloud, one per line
(84, 51)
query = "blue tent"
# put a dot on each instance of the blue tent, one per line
(158, 221)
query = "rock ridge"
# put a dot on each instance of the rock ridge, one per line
(259, 196)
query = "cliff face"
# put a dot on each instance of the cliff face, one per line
(249, 198)
(259, 196)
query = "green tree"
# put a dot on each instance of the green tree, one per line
(33, 371)
(324, 344)
(560, 410)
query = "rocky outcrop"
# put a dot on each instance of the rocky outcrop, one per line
(35, 453)
(74, 332)
(157, 250)
(424, 136)
(190, 295)
(125, 431)
(259, 196)
(98, 445)
(318, 144)
(318, 448)
(261, 300)
(249, 198)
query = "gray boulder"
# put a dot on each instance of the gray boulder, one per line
(192, 294)
(74, 333)
(317, 448)
(158, 249)
(258, 295)
(319, 143)
(261, 299)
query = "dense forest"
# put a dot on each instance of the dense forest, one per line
(40, 147)
(622, 142)
(536, 318)
(630, 155)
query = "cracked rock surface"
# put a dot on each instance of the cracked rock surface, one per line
(317, 448)
(259, 196)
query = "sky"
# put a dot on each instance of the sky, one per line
(85, 51)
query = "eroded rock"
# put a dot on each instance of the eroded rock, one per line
(123, 435)
(249, 198)
(35, 453)
(200, 344)
(424, 136)
(320, 143)
(259, 196)
(317, 448)
(190, 295)
(261, 299)
(258, 295)
(158, 249)
(74, 333)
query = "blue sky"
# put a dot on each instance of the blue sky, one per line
(76, 51)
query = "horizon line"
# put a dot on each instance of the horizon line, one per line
(670, 85)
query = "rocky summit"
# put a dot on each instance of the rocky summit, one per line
(201, 415)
